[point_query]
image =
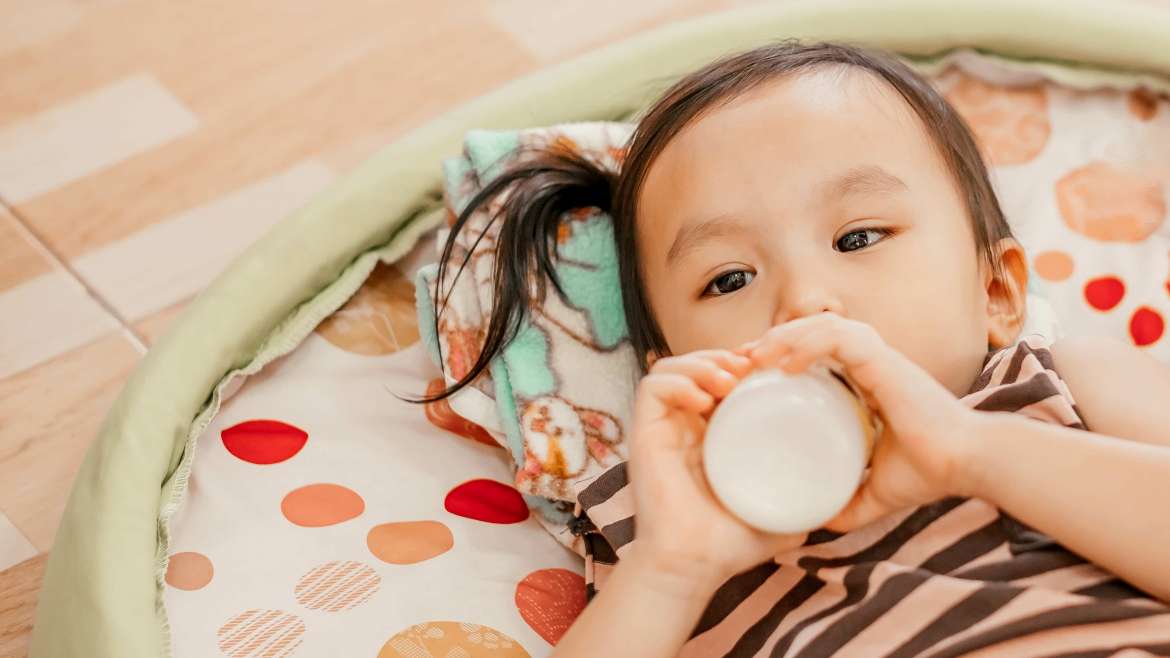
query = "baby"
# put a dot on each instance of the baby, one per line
(801, 202)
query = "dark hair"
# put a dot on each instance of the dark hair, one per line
(548, 184)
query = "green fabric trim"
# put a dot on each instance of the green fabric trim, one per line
(100, 593)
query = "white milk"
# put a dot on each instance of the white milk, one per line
(785, 453)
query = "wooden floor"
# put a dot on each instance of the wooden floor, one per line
(144, 143)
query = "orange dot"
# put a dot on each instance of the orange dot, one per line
(319, 505)
(381, 318)
(451, 638)
(189, 571)
(1053, 265)
(1108, 203)
(1011, 123)
(550, 600)
(409, 542)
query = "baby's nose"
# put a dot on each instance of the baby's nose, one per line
(808, 304)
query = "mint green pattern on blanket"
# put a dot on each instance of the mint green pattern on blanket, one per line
(526, 369)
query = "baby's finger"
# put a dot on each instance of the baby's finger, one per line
(777, 341)
(862, 510)
(782, 543)
(708, 374)
(854, 345)
(663, 391)
(737, 364)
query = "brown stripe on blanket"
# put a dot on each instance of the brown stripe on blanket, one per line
(603, 487)
(1022, 566)
(966, 549)
(599, 549)
(754, 639)
(1125, 633)
(750, 643)
(949, 531)
(620, 505)
(1114, 588)
(1066, 617)
(619, 533)
(897, 588)
(1068, 579)
(976, 607)
(856, 582)
(1156, 649)
(1017, 363)
(1020, 394)
(720, 639)
(731, 594)
(891, 542)
(989, 367)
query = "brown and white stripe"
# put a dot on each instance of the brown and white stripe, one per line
(954, 578)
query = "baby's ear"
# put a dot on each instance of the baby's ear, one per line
(1007, 294)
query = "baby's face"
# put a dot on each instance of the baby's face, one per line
(817, 192)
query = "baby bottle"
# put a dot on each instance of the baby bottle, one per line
(785, 453)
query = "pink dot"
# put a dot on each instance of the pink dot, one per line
(264, 441)
(1103, 293)
(1146, 326)
(487, 500)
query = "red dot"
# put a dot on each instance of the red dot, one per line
(1103, 293)
(264, 441)
(487, 500)
(1146, 326)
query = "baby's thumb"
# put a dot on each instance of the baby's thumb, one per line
(864, 508)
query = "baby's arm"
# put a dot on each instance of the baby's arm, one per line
(686, 544)
(1101, 496)
(1104, 498)
(643, 610)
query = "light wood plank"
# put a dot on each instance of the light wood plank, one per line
(19, 587)
(51, 414)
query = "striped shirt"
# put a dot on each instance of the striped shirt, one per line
(954, 578)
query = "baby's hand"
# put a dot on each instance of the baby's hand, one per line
(681, 528)
(920, 456)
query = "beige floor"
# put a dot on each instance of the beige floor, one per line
(143, 144)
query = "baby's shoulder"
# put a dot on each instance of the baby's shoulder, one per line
(1119, 389)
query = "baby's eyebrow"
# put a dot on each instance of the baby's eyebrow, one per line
(692, 234)
(863, 179)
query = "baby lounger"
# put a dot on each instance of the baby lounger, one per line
(257, 489)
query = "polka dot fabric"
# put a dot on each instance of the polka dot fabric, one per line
(326, 517)
(1084, 178)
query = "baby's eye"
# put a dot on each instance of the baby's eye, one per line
(860, 239)
(728, 282)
